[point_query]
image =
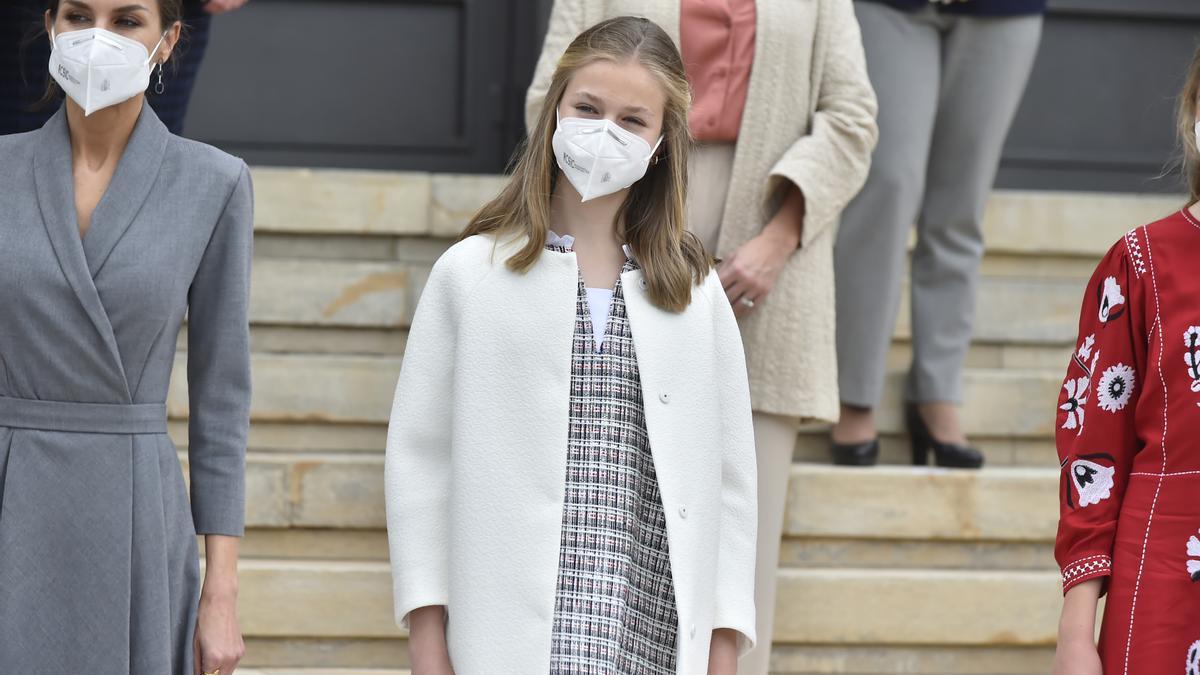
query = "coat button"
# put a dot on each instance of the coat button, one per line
(683, 512)
(664, 397)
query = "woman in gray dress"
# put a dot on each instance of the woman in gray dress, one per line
(110, 230)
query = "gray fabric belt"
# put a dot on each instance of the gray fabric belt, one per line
(93, 418)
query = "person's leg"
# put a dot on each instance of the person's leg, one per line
(24, 55)
(902, 51)
(986, 64)
(775, 441)
(179, 77)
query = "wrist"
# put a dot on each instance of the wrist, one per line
(1075, 637)
(221, 587)
(782, 235)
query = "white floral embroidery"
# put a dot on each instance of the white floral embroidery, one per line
(1191, 342)
(1115, 387)
(1193, 563)
(1112, 298)
(1193, 660)
(1085, 349)
(1077, 390)
(1093, 482)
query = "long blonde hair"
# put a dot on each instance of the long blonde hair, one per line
(1187, 128)
(652, 216)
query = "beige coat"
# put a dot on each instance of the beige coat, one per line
(809, 119)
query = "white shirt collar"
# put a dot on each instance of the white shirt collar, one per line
(568, 242)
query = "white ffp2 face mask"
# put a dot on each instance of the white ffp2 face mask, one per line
(599, 157)
(98, 68)
(1197, 134)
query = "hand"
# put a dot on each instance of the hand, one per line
(427, 650)
(215, 7)
(1077, 656)
(218, 644)
(749, 275)
(723, 652)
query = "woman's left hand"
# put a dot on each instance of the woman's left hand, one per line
(219, 645)
(749, 275)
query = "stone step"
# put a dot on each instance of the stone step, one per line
(994, 356)
(875, 607)
(320, 671)
(933, 554)
(332, 201)
(927, 660)
(297, 543)
(313, 543)
(812, 444)
(906, 503)
(312, 388)
(918, 607)
(371, 655)
(786, 660)
(317, 340)
(355, 389)
(889, 503)
(812, 447)
(332, 293)
(797, 551)
(325, 294)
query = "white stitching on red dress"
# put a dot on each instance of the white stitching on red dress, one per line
(1153, 504)
(1085, 566)
(1135, 252)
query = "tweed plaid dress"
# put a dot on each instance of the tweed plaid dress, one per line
(614, 610)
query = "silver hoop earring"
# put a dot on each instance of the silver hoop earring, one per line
(160, 88)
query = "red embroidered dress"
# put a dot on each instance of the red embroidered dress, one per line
(1128, 441)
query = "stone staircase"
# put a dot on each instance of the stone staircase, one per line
(886, 570)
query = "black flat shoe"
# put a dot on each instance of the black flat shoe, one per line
(944, 454)
(857, 454)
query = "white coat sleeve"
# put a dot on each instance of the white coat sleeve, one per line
(734, 607)
(417, 460)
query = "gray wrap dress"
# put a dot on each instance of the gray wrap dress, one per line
(99, 571)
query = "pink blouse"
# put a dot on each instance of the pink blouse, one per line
(717, 41)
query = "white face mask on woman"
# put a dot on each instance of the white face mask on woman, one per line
(599, 157)
(98, 68)
(1198, 134)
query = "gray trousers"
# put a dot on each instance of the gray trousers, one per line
(948, 88)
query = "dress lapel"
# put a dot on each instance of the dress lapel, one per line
(55, 186)
(130, 186)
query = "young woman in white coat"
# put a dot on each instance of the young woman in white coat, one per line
(570, 470)
(784, 117)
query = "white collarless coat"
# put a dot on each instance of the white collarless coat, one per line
(476, 455)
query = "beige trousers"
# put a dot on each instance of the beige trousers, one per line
(710, 168)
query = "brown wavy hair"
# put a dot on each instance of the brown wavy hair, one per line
(1187, 128)
(651, 219)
